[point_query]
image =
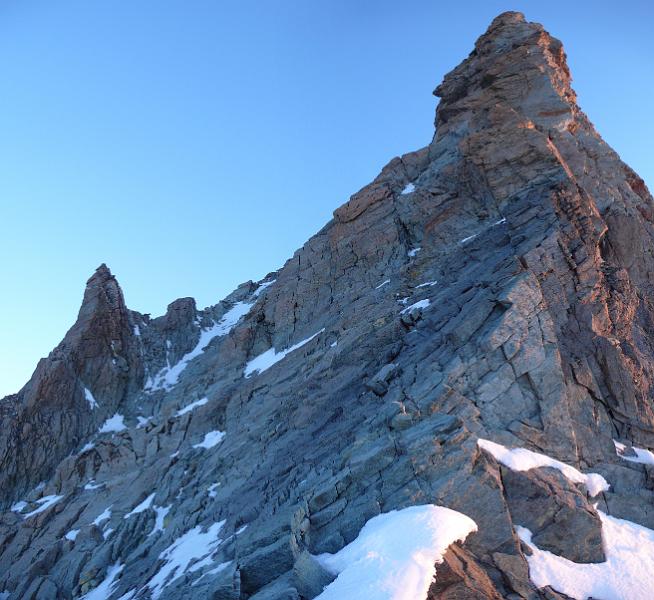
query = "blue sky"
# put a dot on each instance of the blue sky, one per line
(193, 145)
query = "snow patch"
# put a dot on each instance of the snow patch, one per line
(626, 574)
(147, 503)
(411, 253)
(211, 439)
(420, 304)
(103, 516)
(44, 503)
(394, 555)
(72, 535)
(469, 238)
(266, 360)
(87, 447)
(382, 284)
(642, 456)
(91, 485)
(410, 188)
(142, 421)
(427, 284)
(161, 512)
(521, 459)
(211, 490)
(18, 506)
(189, 552)
(106, 588)
(192, 406)
(113, 424)
(93, 404)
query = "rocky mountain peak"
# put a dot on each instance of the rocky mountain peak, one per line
(517, 67)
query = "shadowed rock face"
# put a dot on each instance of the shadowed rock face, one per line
(495, 284)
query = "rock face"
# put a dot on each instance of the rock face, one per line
(496, 284)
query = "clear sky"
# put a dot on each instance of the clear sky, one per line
(193, 145)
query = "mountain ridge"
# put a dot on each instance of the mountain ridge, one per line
(490, 286)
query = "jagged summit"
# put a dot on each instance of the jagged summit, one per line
(486, 293)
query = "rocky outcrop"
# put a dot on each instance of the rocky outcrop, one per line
(493, 285)
(72, 391)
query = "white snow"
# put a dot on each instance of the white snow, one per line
(142, 421)
(211, 439)
(420, 304)
(500, 222)
(169, 375)
(408, 189)
(87, 447)
(413, 252)
(521, 459)
(113, 424)
(128, 596)
(18, 506)
(394, 555)
(211, 490)
(467, 239)
(90, 399)
(137, 331)
(72, 535)
(643, 456)
(147, 503)
(427, 283)
(189, 552)
(270, 357)
(333, 344)
(44, 503)
(161, 512)
(626, 574)
(262, 287)
(192, 406)
(106, 588)
(382, 284)
(175, 454)
(91, 485)
(103, 516)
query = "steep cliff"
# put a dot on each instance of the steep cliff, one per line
(488, 292)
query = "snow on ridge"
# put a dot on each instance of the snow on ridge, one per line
(394, 555)
(427, 284)
(168, 377)
(93, 403)
(626, 574)
(188, 553)
(420, 304)
(161, 512)
(469, 238)
(189, 407)
(211, 439)
(72, 535)
(642, 456)
(143, 506)
(267, 359)
(44, 503)
(113, 424)
(106, 588)
(521, 459)
(105, 515)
